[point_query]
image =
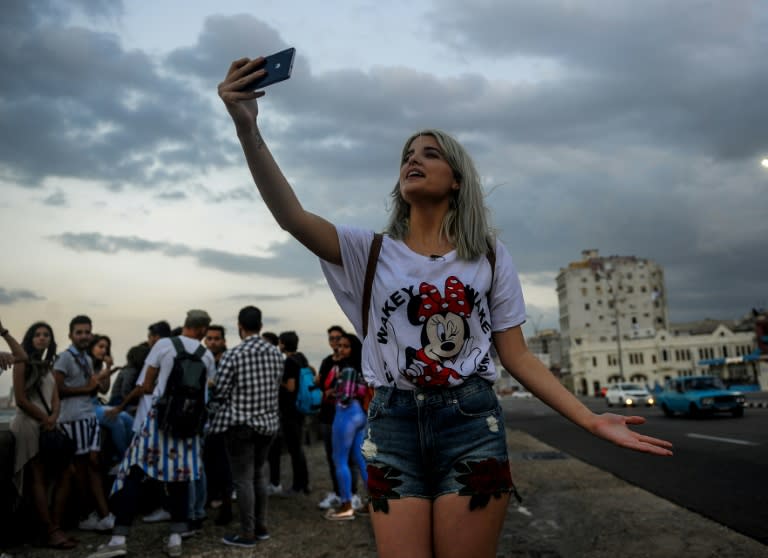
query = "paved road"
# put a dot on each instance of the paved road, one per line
(719, 467)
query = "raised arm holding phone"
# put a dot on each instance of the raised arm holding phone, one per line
(430, 363)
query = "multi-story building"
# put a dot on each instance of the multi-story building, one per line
(679, 351)
(614, 327)
(609, 300)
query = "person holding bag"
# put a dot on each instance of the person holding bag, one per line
(43, 451)
(348, 424)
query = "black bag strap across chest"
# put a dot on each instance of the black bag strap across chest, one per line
(370, 272)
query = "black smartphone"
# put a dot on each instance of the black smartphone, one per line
(278, 67)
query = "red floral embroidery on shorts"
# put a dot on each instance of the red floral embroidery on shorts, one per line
(483, 479)
(381, 484)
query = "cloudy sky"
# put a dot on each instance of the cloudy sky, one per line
(637, 128)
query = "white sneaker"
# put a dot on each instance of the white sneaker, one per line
(106, 523)
(331, 500)
(109, 551)
(90, 523)
(157, 516)
(272, 489)
(356, 502)
(173, 545)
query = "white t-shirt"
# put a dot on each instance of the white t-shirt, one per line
(161, 357)
(431, 319)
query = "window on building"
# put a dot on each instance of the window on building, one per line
(583, 291)
(613, 360)
(725, 351)
(594, 362)
(586, 306)
(653, 359)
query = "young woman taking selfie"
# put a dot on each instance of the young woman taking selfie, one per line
(444, 291)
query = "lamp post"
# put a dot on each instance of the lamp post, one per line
(608, 266)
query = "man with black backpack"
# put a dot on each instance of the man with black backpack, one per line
(167, 445)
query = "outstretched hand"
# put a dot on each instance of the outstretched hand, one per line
(239, 100)
(614, 428)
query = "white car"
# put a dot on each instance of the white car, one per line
(628, 395)
(521, 394)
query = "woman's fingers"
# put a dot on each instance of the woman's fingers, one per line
(243, 71)
(654, 441)
(234, 96)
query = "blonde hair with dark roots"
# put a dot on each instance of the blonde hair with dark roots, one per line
(466, 225)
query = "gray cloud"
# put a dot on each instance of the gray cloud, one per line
(174, 195)
(95, 110)
(56, 199)
(10, 296)
(684, 74)
(263, 298)
(640, 138)
(289, 260)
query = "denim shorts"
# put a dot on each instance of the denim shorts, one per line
(428, 442)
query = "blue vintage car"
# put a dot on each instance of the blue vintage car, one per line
(699, 395)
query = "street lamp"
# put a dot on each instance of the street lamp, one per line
(608, 266)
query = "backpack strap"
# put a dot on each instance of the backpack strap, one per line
(491, 255)
(370, 271)
(178, 345)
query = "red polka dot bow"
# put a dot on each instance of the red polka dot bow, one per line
(432, 302)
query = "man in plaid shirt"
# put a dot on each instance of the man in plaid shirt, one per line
(247, 383)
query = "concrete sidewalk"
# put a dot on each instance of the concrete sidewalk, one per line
(570, 510)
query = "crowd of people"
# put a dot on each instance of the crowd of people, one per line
(433, 297)
(123, 461)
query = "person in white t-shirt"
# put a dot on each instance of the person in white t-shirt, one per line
(155, 452)
(445, 292)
